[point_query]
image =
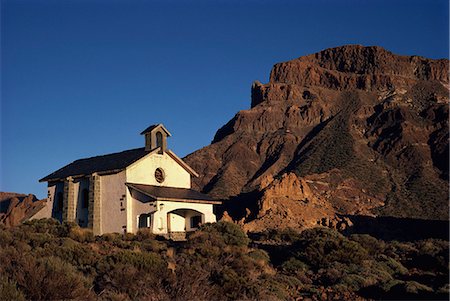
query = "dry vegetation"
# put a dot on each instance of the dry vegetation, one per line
(44, 260)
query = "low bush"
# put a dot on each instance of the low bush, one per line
(45, 260)
(81, 234)
(321, 247)
(220, 234)
(9, 291)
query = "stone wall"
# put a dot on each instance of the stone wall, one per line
(95, 206)
(68, 201)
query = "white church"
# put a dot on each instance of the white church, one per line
(146, 187)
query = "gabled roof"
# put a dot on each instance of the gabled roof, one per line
(113, 163)
(110, 162)
(153, 127)
(161, 193)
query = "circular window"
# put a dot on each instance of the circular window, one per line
(159, 175)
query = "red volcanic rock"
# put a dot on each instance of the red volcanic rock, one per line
(365, 131)
(15, 208)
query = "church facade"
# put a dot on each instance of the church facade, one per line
(148, 187)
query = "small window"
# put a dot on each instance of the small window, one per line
(196, 221)
(159, 175)
(144, 221)
(159, 139)
(59, 202)
(85, 199)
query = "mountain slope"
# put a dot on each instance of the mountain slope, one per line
(348, 130)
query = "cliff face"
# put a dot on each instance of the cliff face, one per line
(349, 130)
(16, 208)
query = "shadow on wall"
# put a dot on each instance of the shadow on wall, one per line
(395, 228)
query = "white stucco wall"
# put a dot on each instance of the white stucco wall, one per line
(160, 225)
(112, 189)
(143, 171)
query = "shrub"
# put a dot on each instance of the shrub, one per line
(50, 278)
(77, 254)
(9, 290)
(6, 238)
(294, 265)
(44, 225)
(236, 286)
(260, 256)
(144, 234)
(191, 280)
(321, 247)
(129, 282)
(412, 287)
(400, 251)
(220, 234)
(140, 260)
(392, 266)
(287, 235)
(116, 239)
(81, 234)
(372, 245)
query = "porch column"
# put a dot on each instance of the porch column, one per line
(95, 205)
(69, 206)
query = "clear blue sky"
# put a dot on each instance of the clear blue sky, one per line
(83, 78)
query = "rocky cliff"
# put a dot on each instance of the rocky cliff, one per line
(348, 130)
(16, 208)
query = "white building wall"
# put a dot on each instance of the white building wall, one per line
(177, 222)
(143, 172)
(160, 225)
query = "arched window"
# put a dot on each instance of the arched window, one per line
(85, 198)
(159, 139)
(59, 202)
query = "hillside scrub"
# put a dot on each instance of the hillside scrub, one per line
(46, 260)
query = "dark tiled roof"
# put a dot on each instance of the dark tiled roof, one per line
(172, 194)
(116, 161)
(149, 129)
(154, 126)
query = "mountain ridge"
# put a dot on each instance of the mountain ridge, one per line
(371, 125)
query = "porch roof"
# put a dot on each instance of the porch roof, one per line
(161, 193)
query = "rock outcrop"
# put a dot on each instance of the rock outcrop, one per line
(348, 130)
(16, 208)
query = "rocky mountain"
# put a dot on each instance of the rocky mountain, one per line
(15, 208)
(350, 130)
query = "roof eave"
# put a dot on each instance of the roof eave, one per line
(183, 200)
(182, 163)
(130, 185)
(159, 125)
(100, 173)
(190, 201)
